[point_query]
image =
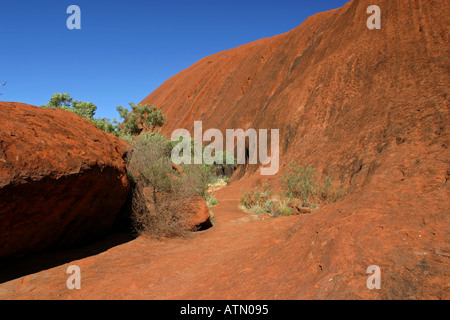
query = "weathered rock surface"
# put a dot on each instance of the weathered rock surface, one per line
(198, 213)
(61, 179)
(368, 107)
(341, 95)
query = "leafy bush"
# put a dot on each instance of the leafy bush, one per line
(142, 117)
(329, 192)
(106, 125)
(197, 177)
(64, 101)
(299, 181)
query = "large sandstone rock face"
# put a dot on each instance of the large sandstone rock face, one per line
(367, 107)
(342, 95)
(61, 179)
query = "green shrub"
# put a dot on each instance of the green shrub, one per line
(284, 209)
(106, 125)
(197, 177)
(142, 117)
(257, 201)
(247, 199)
(269, 206)
(329, 192)
(299, 181)
(64, 101)
(211, 201)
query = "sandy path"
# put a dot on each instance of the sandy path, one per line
(213, 264)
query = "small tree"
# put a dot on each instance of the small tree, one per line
(84, 109)
(64, 101)
(61, 101)
(142, 117)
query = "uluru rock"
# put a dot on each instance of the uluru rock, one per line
(369, 108)
(339, 93)
(62, 180)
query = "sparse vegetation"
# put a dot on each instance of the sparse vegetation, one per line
(198, 177)
(283, 208)
(64, 101)
(330, 192)
(299, 182)
(211, 201)
(258, 201)
(143, 117)
(300, 187)
(154, 208)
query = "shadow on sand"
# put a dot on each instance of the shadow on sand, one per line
(13, 269)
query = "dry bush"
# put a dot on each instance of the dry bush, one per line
(164, 219)
(161, 195)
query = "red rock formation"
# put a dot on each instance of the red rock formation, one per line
(369, 107)
(340, 94)
(61, 179)
(198, 214)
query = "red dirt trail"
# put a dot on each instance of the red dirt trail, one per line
(216, 263)
(248, 257)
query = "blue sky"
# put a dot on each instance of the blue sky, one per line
(126, 49)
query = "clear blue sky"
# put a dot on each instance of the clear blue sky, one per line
(126, 49)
